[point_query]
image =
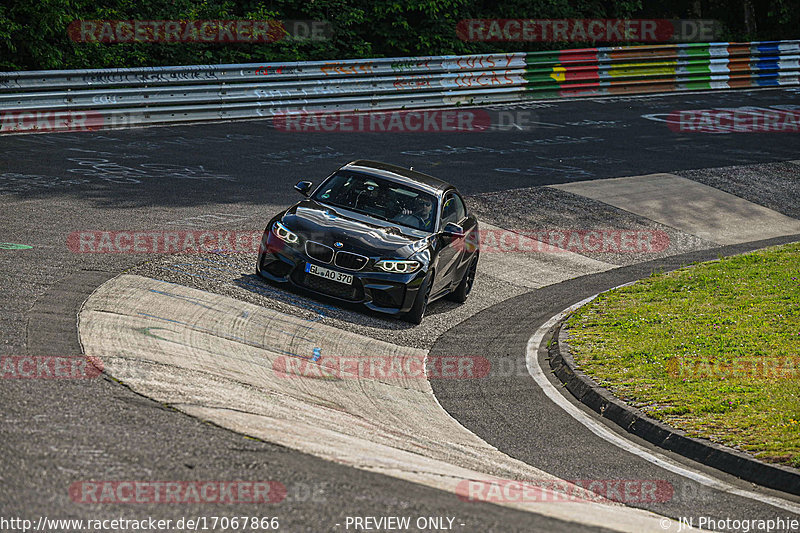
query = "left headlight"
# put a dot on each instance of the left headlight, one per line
(398, 266)
(284, 234)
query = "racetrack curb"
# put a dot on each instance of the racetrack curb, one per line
(600, 400)
(224, 362)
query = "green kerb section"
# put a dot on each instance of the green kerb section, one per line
(542, 80)
(698, 52)
(542, 58)
(696, 85)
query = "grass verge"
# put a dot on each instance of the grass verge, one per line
(712, 349)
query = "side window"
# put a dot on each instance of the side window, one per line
(453, 209)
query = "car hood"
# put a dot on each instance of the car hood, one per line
(358, 233)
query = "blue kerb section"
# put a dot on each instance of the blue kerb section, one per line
(768, 46)
(765, 64)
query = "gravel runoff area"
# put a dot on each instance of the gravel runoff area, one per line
(773, 185)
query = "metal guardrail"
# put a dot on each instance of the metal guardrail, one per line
(115, 98)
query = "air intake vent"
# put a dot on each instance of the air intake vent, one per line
(318, 251)
(350, 261)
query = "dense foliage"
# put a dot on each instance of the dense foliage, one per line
(33, 33)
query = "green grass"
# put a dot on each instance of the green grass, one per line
(712, 349)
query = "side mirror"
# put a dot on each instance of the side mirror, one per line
(303, 187)
(451, 228)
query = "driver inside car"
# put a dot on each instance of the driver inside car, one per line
(423, 209)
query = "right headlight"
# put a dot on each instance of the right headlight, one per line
(284, 233)
(398, 266)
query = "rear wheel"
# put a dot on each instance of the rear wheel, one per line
(421, 302)
(465, 287)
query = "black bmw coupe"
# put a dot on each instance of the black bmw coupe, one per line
(387, 237)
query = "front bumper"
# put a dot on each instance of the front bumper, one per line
(385, 292)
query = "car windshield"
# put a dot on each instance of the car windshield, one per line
(383, 199)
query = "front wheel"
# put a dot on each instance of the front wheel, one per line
(420, 303)
(465, 287)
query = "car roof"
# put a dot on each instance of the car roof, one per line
(399, 174)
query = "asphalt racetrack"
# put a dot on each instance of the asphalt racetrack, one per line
(381, 451)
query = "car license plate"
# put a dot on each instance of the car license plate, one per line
(327, 273)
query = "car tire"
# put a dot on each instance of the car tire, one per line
(465, 287)
(417, 311)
